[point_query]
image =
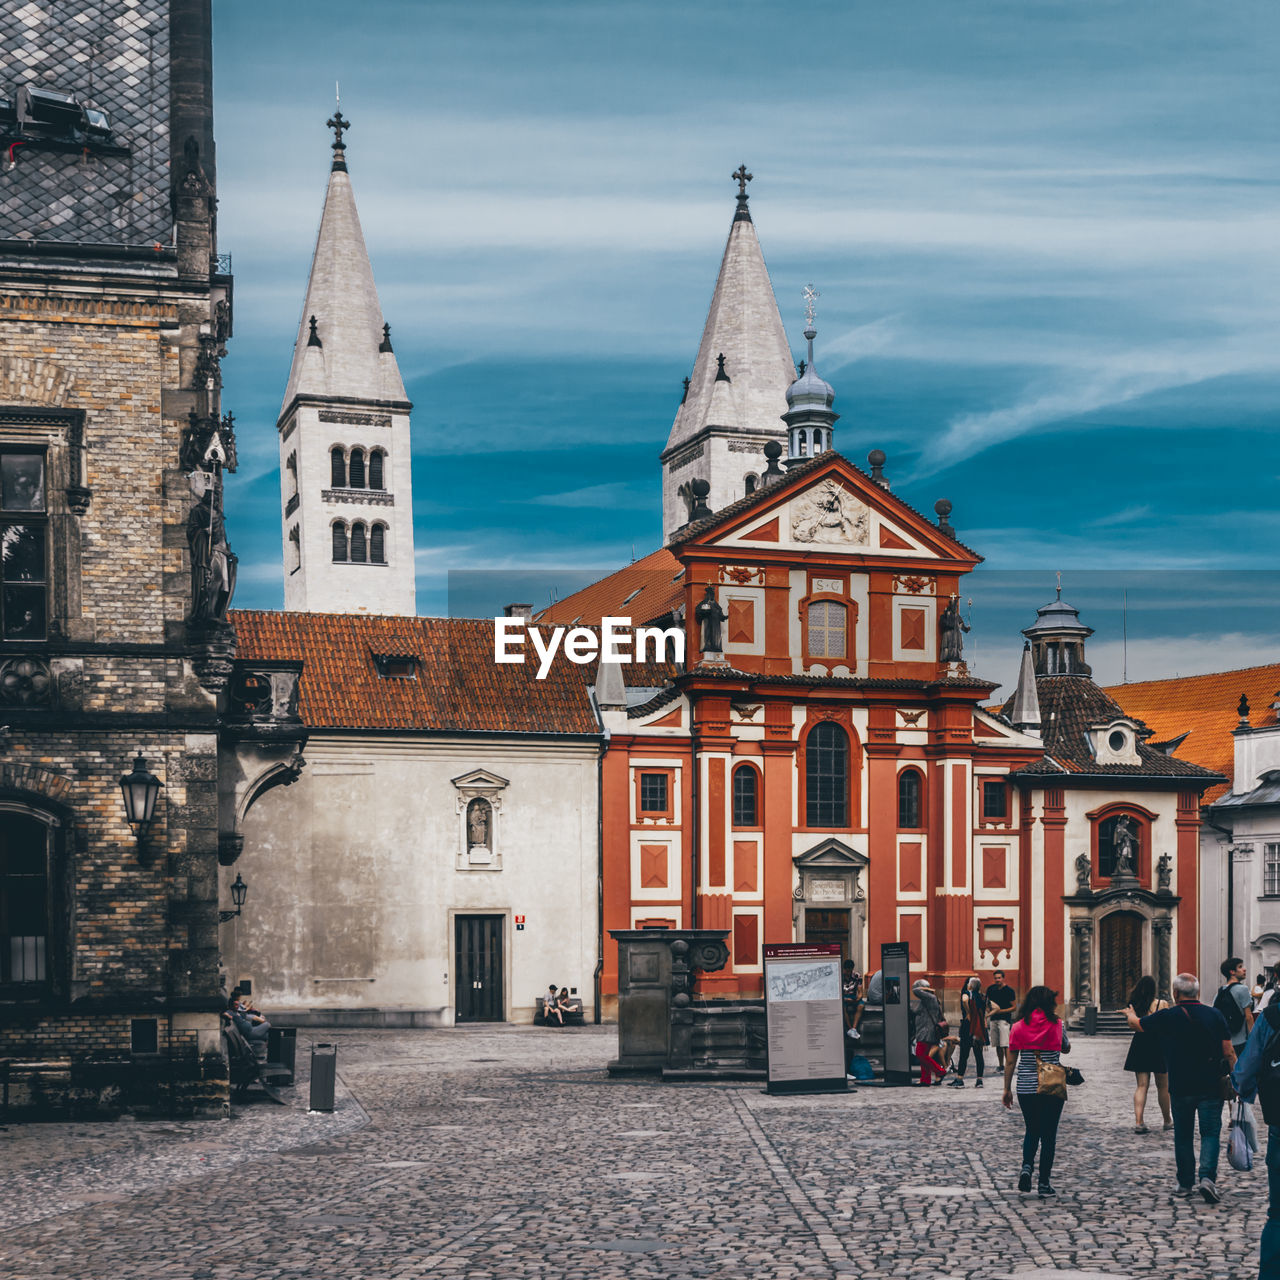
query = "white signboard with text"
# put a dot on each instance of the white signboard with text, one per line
(804, 1017)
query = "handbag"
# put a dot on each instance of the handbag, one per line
(1239, 1154)
(1051, 1078)
(1074, 1077)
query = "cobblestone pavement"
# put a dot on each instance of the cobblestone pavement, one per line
(498, 1152)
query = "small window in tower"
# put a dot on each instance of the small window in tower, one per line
(802, 438)
(359, 552)
(817, 442)
(337, 469)
(339, 542)
(377, 544)
(295, 550)
(292, 466)
(356, 480)
(751, 485)
(375, 469)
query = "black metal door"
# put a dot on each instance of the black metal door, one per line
(478, 995)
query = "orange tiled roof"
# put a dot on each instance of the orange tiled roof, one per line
(643, 591)
(458, 687)
(1204, 708)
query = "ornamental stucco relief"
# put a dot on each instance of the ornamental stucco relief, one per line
(830, 513)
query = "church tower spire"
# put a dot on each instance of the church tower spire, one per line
(738, 385)
(809, 416)
(346, 483)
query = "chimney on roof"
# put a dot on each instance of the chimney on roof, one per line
(524, 611)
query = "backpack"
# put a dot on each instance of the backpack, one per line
(1269, 1068)
(1225, 1003)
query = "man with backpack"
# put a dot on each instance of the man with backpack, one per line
(1235, 1002)
(1257, 1073)
(1197, 1048)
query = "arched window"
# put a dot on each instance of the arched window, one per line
(339, 542)
(359, 553)
(375, 469)
(377, 544)
(746, 796)
(357, 469)
(337, 468)
(828, 633)
(295, 549)
(818, 445)
(826, 768)
(751, 485)
(803, 437)
(909, 789)
(292, 467)
(24, 900)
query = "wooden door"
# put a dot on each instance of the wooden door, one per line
(477, 967)
(828, 925)
(1119, 957)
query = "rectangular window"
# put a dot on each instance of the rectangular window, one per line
(653, 793)
(24, 576)
(24, 900)
(826, 629)
(1271, 870)
(995, 800)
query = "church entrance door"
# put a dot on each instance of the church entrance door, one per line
(1119, 957)
(828, 925)
(477, 967)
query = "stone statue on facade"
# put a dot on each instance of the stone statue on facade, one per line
(1124, 845)
(478, 825)
(952, 628)
(710, 617)
(1164, 873)
(1084, 874)
(213, 563)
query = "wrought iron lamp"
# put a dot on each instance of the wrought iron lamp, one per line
(140, 789)
(239, 892)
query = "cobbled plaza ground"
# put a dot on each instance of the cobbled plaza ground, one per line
(507, 1152)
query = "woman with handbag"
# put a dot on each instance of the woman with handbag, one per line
(1035, 1043)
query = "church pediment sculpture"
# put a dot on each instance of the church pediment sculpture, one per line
(830, 513)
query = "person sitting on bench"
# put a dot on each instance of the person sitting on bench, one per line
(249, 1022)
(552, 1014)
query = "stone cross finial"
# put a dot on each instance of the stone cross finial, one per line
(741, 177)
(339, 126)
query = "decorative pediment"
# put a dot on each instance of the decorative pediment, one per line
(480, 782)
(831, 855)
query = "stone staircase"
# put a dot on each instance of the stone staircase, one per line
(1110, 1023)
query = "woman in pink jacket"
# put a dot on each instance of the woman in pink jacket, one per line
(1037, 1033)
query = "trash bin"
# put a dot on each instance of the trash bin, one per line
(324, 1075)
(282, 1052)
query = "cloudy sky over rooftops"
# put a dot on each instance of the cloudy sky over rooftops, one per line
(1046, 237)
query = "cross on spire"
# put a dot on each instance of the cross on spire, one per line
(811, 296)
(339, 127)
(741, 177)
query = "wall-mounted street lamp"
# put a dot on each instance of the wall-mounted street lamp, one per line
(239, 892)
(140, 789)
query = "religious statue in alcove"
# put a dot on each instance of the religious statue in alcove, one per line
(479, 825)
(1125, 846)
(710, 617)
(951, 627)
(1164, 873)
(213, 563)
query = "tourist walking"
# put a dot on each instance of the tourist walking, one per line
(1235, 1002)
(1000, 1001)
(1146, 1059)
(1197, 1049)
(1254, 1068)
(928, 1031)
(973, 1032)
(1036, 1040)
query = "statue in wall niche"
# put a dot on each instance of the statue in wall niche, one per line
(951, 627)
(479, 825)
(1164, 872)
(1084, 873)
(1125, 846)
(213, 563)
(710, 618)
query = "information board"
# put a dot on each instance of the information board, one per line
(805, 1018)
(895, 968)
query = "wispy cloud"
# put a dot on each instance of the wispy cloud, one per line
(615, 494)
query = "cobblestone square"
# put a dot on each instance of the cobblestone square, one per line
(508, 1152)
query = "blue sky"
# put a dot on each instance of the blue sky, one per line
(1047, 238)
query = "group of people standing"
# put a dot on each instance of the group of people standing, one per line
(986, 1018)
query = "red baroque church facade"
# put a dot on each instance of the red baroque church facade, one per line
(828, 773)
